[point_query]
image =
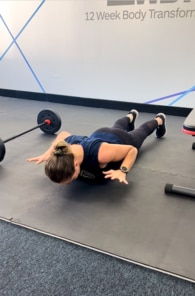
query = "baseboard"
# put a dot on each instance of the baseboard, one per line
(96, 103)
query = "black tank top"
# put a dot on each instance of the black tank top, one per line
(90, 170)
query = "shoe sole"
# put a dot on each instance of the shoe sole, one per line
(164, 119)
(135, 112)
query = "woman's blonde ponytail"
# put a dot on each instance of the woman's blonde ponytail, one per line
(61, 148)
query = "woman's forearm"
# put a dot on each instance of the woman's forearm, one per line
(130, 158)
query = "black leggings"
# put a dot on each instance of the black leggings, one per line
(126, 132)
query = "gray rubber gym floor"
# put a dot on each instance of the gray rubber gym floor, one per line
(136, 222)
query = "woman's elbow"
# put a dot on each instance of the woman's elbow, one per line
(135, 151)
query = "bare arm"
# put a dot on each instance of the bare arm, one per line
(114, 153)
(43, 157)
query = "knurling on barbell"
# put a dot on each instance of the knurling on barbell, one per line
(47, 120)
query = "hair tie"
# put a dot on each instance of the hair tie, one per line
(58, 152)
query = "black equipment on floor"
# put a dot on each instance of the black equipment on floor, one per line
(189, 129)
(48, 121)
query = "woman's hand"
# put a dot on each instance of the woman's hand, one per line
(115, 174)
(39, 159)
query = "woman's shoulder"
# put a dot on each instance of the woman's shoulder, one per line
(75, 139)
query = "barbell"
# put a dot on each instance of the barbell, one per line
(47, 120)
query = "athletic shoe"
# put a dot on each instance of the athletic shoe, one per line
(161, 129)
(135, 114)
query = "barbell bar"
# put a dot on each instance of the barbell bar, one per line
(47, 120)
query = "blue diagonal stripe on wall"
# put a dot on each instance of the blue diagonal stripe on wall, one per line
(180, 94)
(26, 24)
(14, 42)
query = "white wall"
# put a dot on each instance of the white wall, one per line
(137, 53)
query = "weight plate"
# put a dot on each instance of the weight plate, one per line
(2, 150)
(54, 118)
